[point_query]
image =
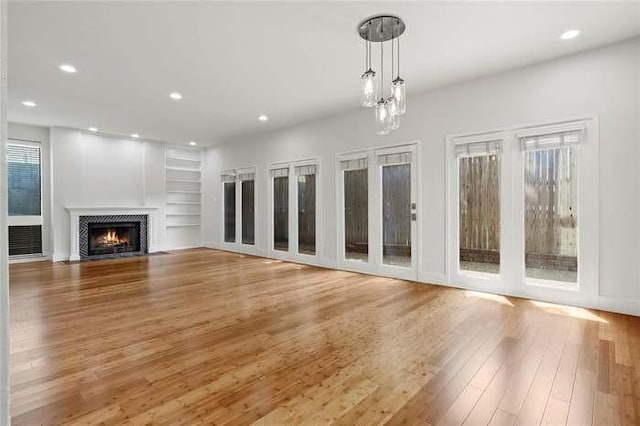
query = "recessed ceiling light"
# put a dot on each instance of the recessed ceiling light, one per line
(135, 135)
(263, 118)
(175, 96)
(29, 104)
(67, 68)
(192, 143)
(568, 35)
(93, 129)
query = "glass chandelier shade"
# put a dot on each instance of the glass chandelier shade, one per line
(398, 93)
(369, 86)
(383, 117)
(394, 117)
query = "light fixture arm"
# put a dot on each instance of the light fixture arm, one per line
(398, 76)
(382, 62)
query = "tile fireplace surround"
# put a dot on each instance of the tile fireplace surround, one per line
(79, 217)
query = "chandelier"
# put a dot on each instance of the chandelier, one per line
(380, 29)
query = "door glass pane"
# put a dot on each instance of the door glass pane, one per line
(396, 214)
(307, 214)
(248, 213)
(479, 186)
(551, 214)
(356, 214)
(281, 213)
(23, 180)
(230, 212)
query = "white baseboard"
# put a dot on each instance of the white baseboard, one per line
(329, 263)
(60, 257)
(29, 258)
(194, 246)
(432, 278)
(623, 306)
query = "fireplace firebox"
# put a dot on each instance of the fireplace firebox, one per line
(106, 236)
(113, 238)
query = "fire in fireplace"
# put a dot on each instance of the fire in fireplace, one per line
(113, 238)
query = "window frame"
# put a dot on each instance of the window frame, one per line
(343, 262)
(489, 138)
(474, 279)
(292, 253)
(224, 206)
(25, 220)
(238, 244)
(239, 195)
(32, 220)
(375, 264)
(513, 281)
(281, 254)
(411, 272)
(548, 130)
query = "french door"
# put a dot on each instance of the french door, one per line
(294, 222)
(397, 212)
(377, 212)
(238, 209)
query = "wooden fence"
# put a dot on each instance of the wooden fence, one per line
(480, 209)
(550, 203)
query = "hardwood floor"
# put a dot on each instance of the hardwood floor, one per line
(205, 336)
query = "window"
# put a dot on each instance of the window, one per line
(525, 209)
(23, 180)
(551, 206)
(239, 206)
(24, 188)
(356, 209)
(229, 208)
(280, 209)
(479, 206)
(306, 177)
(248, 212)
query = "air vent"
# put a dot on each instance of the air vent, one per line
(25, 240)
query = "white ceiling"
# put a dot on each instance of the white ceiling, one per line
(290, 60)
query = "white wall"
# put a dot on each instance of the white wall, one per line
(603, 82)
(4, 248)
(96, 171)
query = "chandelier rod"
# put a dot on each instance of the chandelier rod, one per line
(393, 33)
(398, 21)
(381, 61)
(369, 44)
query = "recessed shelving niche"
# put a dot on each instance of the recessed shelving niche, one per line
(183, 183)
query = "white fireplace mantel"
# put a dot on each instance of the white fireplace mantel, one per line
(76, 211)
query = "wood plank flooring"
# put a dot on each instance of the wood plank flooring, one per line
(209, 337)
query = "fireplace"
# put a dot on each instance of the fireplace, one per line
(113, 238)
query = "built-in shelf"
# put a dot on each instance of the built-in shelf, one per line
(182, 174)
(183, 180)
(183, 159)
(194, 203)
(183, 169)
